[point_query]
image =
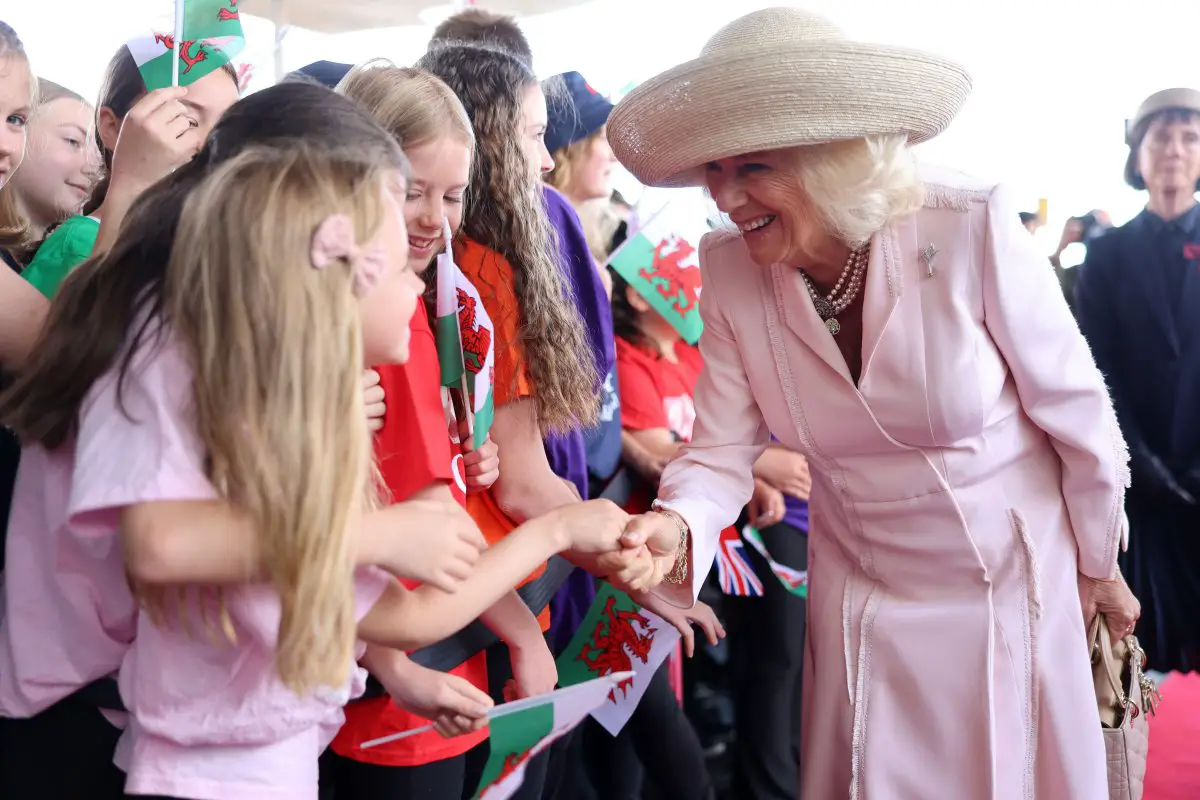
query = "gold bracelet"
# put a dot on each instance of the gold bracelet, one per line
(679, 571)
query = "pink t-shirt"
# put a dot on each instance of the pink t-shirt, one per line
(68, 614)
(208, 718)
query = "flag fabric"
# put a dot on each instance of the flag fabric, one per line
(794, 580)
(530, 726)
(466, 350)
(212, 37)
(733, 568)
(661, 264)
(617, 636)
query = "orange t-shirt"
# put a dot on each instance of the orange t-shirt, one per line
(492, 276)
(415, 448)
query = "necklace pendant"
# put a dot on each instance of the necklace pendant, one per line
(823, 307)
(833, 325)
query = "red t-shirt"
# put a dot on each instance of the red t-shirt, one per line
(656, 393)
(417, 446)
(492, 276)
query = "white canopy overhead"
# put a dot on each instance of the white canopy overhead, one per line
(346, 16)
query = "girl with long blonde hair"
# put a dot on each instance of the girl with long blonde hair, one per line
(546, 376)
(21, 310)
(426, 117)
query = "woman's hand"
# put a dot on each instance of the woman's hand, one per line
(766, 505)
(437, 543)
(784, 470)
(1114, 600)
(533, 668)
(373, 399)
(157, 135)
(684, 618)
(481, 465)
(452, 704)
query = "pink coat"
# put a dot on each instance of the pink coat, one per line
(957, 491)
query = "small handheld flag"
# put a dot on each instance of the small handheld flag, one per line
(207, 35)
(466, 350)
(794, 580)
(733, 568)
(663, 266)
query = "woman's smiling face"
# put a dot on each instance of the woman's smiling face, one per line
(762, 195)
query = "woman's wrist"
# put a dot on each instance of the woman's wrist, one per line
(678, 572)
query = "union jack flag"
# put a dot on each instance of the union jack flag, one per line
(733, 568)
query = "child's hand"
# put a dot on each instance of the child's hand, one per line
(157, 135)
(684, 618)
(533, 668)
(592, 527)
(767, 506)
(438, 543)
(373, 399)
(452, 704)
(481, 466)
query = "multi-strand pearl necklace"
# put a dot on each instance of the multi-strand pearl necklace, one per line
(844, 291)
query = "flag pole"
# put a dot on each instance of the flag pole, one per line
(179, 12)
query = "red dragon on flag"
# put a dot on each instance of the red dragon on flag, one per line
(678, 284)
(616, 642)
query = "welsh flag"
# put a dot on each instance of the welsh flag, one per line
(519, 731)
(617, 636)
(794, 580)
(212, 36)
(466, 351)
(662, 265)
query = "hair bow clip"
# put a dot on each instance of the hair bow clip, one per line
(334, 240)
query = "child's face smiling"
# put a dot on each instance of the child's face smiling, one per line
(387, 310)
(16, 95)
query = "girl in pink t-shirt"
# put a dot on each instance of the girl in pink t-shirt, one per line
(238, 411)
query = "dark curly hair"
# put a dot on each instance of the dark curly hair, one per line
(505, 211)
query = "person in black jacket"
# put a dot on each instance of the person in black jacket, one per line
(1138, 303)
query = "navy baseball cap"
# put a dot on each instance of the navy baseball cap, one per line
(326, 73)
(586, 113)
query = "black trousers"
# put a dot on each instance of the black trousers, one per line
(64, 753)
(657, 746)
(766, 644)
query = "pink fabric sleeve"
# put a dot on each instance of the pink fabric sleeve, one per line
(710, 481)
(1060, 387)
(137, 448)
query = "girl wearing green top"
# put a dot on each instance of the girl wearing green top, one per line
(157, 132)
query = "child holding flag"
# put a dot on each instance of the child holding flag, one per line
(424, 114)
(159, 126)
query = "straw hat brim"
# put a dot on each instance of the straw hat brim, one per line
(668, 128)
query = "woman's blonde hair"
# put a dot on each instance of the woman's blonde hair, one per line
(275, 346)
(567, 160)
(860, 186)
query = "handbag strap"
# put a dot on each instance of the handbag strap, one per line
(1102, 651)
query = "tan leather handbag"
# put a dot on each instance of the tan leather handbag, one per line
(1126, 699)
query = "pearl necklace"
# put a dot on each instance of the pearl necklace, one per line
(838, 300)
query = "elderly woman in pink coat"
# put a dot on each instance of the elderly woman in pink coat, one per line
(894, 324)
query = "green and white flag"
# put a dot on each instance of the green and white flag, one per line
(659, 260)
(465, 341)
(209, 37)
(617, 636)
(794, 580)
(530, 726)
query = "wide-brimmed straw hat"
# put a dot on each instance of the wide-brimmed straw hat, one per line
(780, 77)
